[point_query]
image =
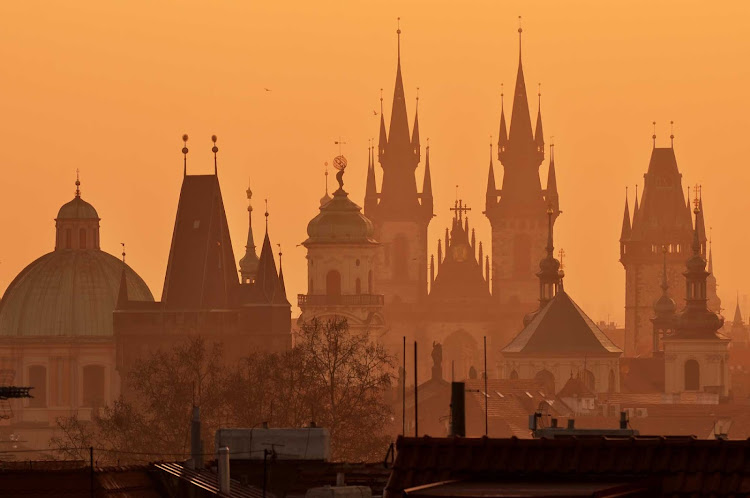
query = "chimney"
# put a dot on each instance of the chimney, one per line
(623, 420)
(224, 487)
(196, 450)
(458, 412)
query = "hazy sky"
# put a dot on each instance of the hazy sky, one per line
(110, 87)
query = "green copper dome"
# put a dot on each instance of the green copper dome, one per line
(340, 221)
(67, 293)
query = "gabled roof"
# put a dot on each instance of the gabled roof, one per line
(575, 388)
(201, 273)
(561, 327)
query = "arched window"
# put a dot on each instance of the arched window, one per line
(611, 382)
(521, 255)
(400, 258)
(333, 285)
(369, 282)
(93, 386)
(358, 286)
(513, 375)
(68, 238)
(82, 238)
(588, 379)
(547, 380)
(692, 375)
(38, 380)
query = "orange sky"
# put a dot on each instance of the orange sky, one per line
(109, 87)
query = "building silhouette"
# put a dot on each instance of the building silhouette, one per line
(517, 210)
(661, 221)
(202, 293)
(558, 339)
(56, 332)
(399, 212)
(341, 258)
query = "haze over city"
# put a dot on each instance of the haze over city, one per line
(110, 88)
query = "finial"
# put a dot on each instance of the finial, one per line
(671, 132)
(381, 101)
(552, 147)
(490, 147)
(326, 173)
(184, 154)
(280, 253)
(249, 195)
(696, 200)
(654, 135)
(561, 253)
(398, 33)
(539, 94)
(456, 195)
(502, 95)
(214, 149)
(78, 182)
(266, 215)
(123, 251)
(688, 199)
(520, 30)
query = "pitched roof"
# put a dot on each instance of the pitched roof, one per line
(679, 465)
(561, 327)
(268, 286)
(201, 273)
(575, 388)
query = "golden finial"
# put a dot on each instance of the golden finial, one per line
(671, 132)
(214, 149)
(184, 154)
(266, 215)
(696, 199)
(561, 253)
(78, 182)
(123, 251)
(654, 135)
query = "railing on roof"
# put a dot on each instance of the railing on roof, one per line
(341, 300)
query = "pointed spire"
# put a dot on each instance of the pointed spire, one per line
(491, 196)
(520, 135)
(398, 133)
(215, 149)
(487, 269)
(427, 201)
(281, 273)
(249, 262)
(626, 229)
(710, 257)
(268, 285)
(701, 225)
(502, 139)
(473, 239)
(371, 192)
(432, 270)
(481, 254)
(415, 132)
(439, 254)
(383, 140)
(635, 206)
(539, 133)
(552, 195)
(184, 155)
(737, 313)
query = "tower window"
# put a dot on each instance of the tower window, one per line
(692, 375)
(38, 380)
(68, 238)
(82, 238)
(333, 284)
(93, 386)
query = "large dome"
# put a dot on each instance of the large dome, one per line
(67, 293)
(77, 209)
(340, 221)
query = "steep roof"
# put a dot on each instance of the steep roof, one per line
(201, 273)
(561, 327)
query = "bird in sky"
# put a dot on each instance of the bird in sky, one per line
(267, 89)
(375, 113)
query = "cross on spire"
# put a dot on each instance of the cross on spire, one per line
(561, 253)
(460, 209)
(340, 142)
(697, 195)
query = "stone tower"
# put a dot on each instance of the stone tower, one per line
(695, 354)
(517, 211)
(662, 221)
(400, 214)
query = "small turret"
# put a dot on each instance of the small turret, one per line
(502, 139)
(491, 196)
(249, 262)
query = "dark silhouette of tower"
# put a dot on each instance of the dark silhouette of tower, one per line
(661, 221)
(399, 212)
(517, 211)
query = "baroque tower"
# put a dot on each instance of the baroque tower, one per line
(399, 212)
(517, 210)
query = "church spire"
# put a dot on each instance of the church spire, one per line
(371, 192)
(415, 132)
(550, 274)
(521, 135)
(502, 139)
(626, 230)
(383, 140)
(552, 197)
(427, 201)
(737, 312)
(491, 199)
(539, 133)
(249, 262)
(398, 133)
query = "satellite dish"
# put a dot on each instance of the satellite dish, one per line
(339, 162)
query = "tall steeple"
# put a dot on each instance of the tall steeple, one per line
(491, 199)
(502, 139)
(415, 132)
(249, 262)
(539, 133)
(550, 274)
(520, 121)
(427, 201)
(551, 196)
(371, 191)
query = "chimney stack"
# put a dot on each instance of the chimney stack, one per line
(196, 450)
(458, 409)
(224, 486)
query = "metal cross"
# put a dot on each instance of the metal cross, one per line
(460, 209)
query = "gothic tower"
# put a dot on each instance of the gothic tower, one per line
(400, 213)
(517, 211)
(661, 221)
